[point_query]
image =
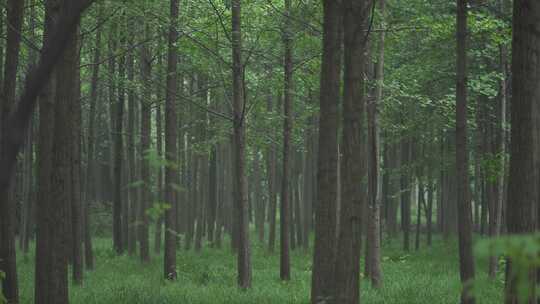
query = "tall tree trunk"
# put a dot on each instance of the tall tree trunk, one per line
(170, 146)
(146, 131)
(212, 195)
(374, 174)
(405, 182)
(61, 185)
(132, 171)
(76, 189)
(271, 177)
(464, 205)
(7, 201)
(285, 208)
(159, 146)
(322, 282)
(523, 179)
(429, 209)
(258, 198)
(241, 205)
(118, 122)
(91, 177)
(353, 162)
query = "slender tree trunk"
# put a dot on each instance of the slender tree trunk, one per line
(374, 183)
(429, 209)
(285, 208)
(159, 146)
(118, 241)
(170, 146)
(271, 177)
(421, 203)
(212, 195)
(464, 214)
(76, 189)
(132, 171)
(241, 205)
(405, 192)
(259, 202)
(322, 283)
(91, 176)
(146, 131)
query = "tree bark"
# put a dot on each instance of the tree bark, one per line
(146, 131)
(462, 161)
(322, 282)
(241, 204)
(524, 150)
(170, 145)
(8, 262)
(285, 208)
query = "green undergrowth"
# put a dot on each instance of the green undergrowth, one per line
(428, 276)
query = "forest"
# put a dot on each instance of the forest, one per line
(269, 151)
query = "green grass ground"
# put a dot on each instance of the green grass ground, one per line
(428, 276)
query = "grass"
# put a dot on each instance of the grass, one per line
(429, 276)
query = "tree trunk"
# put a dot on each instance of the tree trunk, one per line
(76, 189)
(7, 202)
(285, 208)
(322, 283)
(271, 177)
(170, 146)
(405, 192)
(146, 131)
(464, 205)
(523, 179)
(241, 205)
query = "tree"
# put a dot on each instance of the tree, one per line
(170, 146)
(239, 123)
(322, 279)
(374, 183)
(462, 161)
(118, 115)
(285, 210)
(523, 178)
(347, 273)
(8, 262)
(146, 130)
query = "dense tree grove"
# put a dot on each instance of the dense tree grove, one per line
(186, 138)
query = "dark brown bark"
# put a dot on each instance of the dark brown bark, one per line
(76, 170)
(159, 146)
(118, 121)
(241, 200)
(405, 185)
(8, 262)
(374, 174)
(131, 217)
(429, 209)
(347, 273)
(170, 145)
(523, 179)
(91, 170)
(258, 198)
(270, 157)
(285, 208)
(212, 195)
(146, 131)
(462, 160)
(322, 283)
(16, 124)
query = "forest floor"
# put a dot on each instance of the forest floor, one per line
(427, 276)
